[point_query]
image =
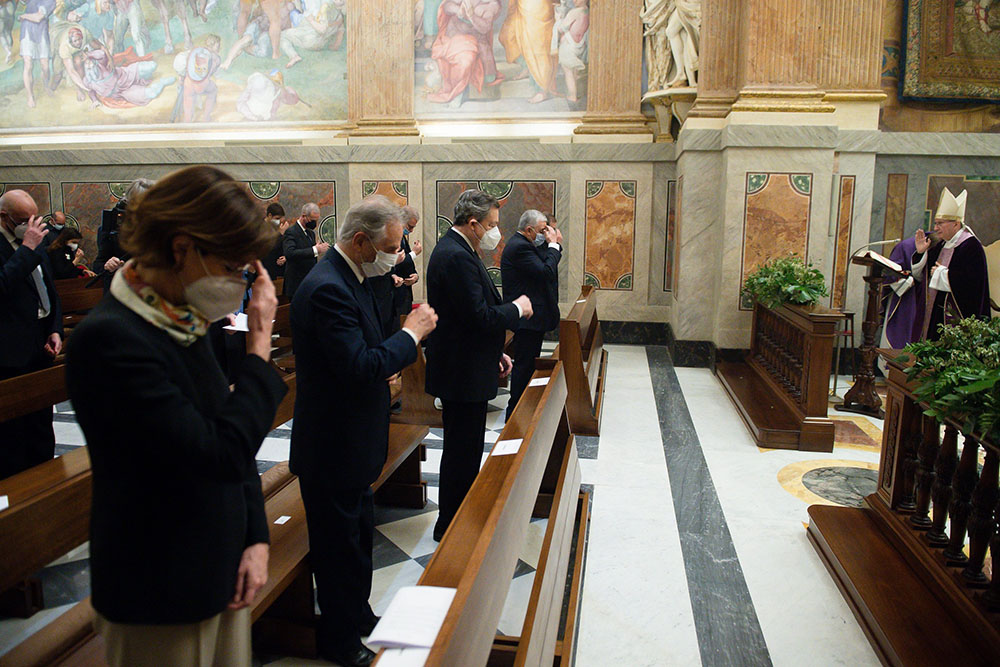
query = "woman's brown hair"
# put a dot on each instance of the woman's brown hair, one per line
(65, 236)
(206, 204)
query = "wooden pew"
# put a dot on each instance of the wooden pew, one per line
(76, 300)
(585, 362)
(479, 552)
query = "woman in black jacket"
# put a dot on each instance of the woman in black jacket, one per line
(64, 255)
(179, 538)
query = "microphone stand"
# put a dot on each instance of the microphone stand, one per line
(843, 303)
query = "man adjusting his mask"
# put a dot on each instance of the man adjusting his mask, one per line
(465, 353)
(301, 249)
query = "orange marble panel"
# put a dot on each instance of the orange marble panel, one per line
(670, 234)
(609, 256)
(775, 219)
(895, 209)
(845, 217)
(84, 203)
(396, 191)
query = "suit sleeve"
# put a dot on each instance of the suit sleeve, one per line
(530, 264)
(337, 315)
(16, 269)
(55, 317)
(466, 295)
(257, 530)
(289, 245)
(129, 376)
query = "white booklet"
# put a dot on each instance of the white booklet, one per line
(883, 260)
(413, 618)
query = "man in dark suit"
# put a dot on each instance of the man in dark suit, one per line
(406, 269)
(466, 351)
(530, 265)
(300, 248)
(110, 256)
(30, 326)
(274, 261)
(340, 434)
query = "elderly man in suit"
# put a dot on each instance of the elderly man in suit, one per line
(300, 248)
(465, 353)
(30, 326)
(530, 265)
(340, 435)
(406, 269)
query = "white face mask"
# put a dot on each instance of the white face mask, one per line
(384, 261)
(19, 231)
(72, 246)
(539, 239)
(491, 239)
(215, 296)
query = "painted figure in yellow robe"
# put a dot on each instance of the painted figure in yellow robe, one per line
(527, 33)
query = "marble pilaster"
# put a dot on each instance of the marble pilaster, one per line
(615, 78)
(380, 103)
(718, 58)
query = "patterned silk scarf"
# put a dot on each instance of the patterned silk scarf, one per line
(182, 323)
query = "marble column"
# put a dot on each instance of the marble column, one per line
(718, 58)
(380, 89)
(614, 87)
(851, 57)
(779, 40)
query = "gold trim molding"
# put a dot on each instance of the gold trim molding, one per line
(783, 101)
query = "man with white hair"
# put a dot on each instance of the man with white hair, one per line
(340, 435)
(530, 265)
(30, 326)
(300, 248)
(953, 270)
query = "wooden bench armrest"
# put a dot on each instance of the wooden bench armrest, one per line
(57, 640)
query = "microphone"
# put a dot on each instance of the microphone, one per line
(875, 243)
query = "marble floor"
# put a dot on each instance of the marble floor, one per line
(697, 545)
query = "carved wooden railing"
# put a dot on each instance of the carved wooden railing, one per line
(939, 499)
(792, 346)
(781, 388)
(910, 560)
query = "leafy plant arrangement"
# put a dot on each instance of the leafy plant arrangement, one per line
(958, 375)
(784, 280)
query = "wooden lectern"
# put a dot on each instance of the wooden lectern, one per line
(862, 397)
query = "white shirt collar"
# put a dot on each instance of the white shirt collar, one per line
(466, 239)
(354, 267)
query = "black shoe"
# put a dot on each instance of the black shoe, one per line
(359, 657)
(396, 407)
(438, 533)
(368, 626)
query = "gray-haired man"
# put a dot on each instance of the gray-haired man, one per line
(341, 430)
(300, 248)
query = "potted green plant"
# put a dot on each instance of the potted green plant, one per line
(784, 280)
(958, 376)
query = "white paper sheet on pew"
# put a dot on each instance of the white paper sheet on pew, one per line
(413, 618)
(281, 520)
(538, 382)
(239, 325)
(506, 447)
(4, 503)
(404, 657)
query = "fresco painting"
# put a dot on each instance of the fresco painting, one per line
(97, 63)
(481, 58)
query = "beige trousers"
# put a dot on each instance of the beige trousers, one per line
(223, 639)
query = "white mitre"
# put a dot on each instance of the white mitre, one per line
(950, 207)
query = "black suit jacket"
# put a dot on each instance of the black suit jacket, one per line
(299, 256)
(22, 333)
(463, 352)
(525, 269)
(270, 260)
(341, 430)
(402, 296)
(107, 242)
(176, 495)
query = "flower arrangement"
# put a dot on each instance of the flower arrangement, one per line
(784, 280)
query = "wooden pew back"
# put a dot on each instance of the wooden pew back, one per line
(479, 552)
(581, 349)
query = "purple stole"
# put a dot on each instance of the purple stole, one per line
(944, 259)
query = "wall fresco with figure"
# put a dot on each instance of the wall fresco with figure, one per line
(508, 57)
(94, 63)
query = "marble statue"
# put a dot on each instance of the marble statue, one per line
(672, 29)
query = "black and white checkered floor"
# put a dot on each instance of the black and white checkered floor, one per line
(402, 548)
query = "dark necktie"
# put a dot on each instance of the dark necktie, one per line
(312, 236)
